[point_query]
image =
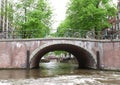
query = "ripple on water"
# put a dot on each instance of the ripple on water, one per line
(60, 80)
(62, 74)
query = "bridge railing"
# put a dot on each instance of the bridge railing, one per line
(91, 34)
(26, 34)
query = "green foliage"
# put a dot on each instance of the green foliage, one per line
(88, 15)
(63, 27)
(58, 53)
(33, 18)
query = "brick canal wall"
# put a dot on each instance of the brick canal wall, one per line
(110, 55)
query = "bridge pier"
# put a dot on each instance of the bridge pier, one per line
(27, 60)
(98, 60)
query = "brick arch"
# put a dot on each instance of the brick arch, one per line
(84, 57)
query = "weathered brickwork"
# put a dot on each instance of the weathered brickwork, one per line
(13, 53)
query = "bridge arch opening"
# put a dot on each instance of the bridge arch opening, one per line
(83, 57)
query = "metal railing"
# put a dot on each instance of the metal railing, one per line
(25, 34)
(87, 34)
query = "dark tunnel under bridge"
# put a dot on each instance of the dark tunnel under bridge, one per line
(84, 58)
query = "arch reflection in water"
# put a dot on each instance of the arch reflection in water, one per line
(58, 62)
(54, 68)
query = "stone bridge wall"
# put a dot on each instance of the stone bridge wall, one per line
(13, 53)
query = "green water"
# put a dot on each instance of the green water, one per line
(53, 73)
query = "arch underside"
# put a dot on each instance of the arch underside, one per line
(84, 58)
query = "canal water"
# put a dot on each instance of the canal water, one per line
(53, 73)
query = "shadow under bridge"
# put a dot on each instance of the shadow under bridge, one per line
(84, 58)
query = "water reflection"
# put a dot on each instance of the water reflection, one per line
(54, 69)
(46, 70)
(53, 73)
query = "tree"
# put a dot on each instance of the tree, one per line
(33, 18)
(6, 10)
(6, 14)
(89, 14)
(63, 27)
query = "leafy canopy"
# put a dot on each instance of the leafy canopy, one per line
(88, 14)
(34, 15)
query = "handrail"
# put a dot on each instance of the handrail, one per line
(27, 34)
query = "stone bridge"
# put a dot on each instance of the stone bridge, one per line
(26, 53)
